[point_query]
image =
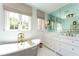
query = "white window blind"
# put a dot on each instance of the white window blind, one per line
(40, 14)
(41, 19)
(18, 8)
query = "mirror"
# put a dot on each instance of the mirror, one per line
(59, 25)
(68, 18)
(55, 24)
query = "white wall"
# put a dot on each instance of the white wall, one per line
(1, 18)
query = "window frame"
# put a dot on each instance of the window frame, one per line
(7, 25)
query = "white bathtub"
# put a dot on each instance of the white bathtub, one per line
(15, 49)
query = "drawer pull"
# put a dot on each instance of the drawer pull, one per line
(59, 50)
(72, 48)
(72, 41)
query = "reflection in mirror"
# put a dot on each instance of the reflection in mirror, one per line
(74, 27)
(68, 17)
(69, 26)
(54, 25)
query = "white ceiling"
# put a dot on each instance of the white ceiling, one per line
(47, 7)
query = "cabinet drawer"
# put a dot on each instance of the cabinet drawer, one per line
(67, 52)
(70, 48)
(75, 50)
(66, 46)
(67, 41)
(71, 42)
(75, 43)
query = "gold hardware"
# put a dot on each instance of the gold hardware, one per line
(20, 38)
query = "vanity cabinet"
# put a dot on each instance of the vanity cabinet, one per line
(65, 49)
(67, 46)
(64, 45)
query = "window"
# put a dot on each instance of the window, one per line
(26, 22)
(16, 21)
(59, 27)
(41, 24)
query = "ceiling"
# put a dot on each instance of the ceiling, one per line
(72, 8)
(47, 7)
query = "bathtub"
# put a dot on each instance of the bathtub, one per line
(15, 49)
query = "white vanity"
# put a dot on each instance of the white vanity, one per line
(64, 45)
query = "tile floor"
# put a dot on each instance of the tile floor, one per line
(46, 52)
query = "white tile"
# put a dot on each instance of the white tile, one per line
(45, 52)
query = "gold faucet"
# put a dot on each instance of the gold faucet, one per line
(21, 38)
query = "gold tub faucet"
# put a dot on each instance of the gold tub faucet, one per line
(21, 38)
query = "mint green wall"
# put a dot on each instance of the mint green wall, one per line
(61, 13)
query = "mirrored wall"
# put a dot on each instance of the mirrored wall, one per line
(65, 19)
